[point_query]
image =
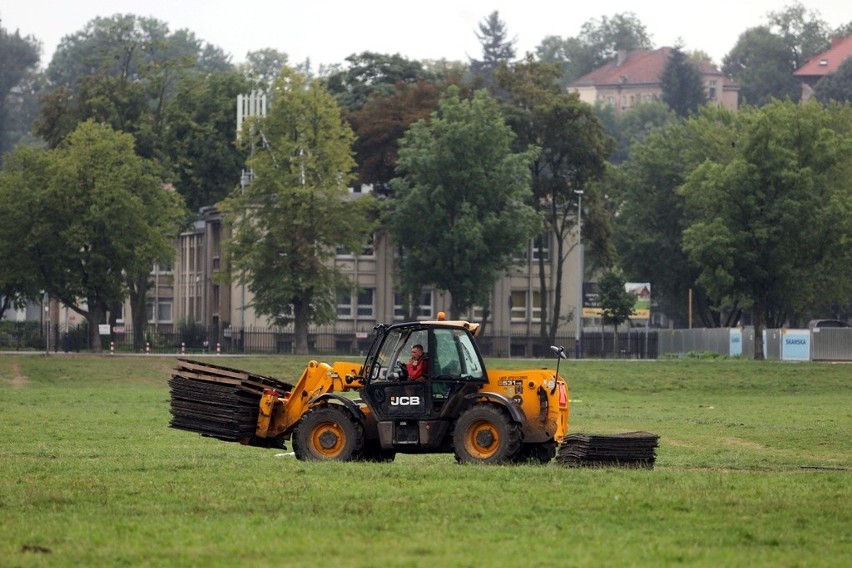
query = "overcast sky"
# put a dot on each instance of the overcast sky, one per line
(329, 31)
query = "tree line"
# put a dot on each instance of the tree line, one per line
(469, 161)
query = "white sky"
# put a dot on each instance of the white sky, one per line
(329, 31)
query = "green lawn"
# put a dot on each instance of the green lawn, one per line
(754, 469)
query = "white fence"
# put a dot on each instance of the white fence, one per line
(826, 344)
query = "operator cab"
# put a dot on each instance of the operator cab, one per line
(454, 365)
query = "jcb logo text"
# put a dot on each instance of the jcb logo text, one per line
(405, 400)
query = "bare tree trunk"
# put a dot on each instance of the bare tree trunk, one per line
(300, 327)
(94, 317)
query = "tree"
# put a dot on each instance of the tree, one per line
(682, 84)
(461, 211)
(87, 209)
(765, 57)
(382, 122)
(289, 220)
(632, 127)
(203, 161)
(599, 41)
(263, 66)
(496, 48)
(837, 86)
(804, 32)
(763, 65)
(770, 225)
(370, 74)
(24, 172)
(19, 57)
(616, 303)
(573, 156)
(652, 213)
(130, 46)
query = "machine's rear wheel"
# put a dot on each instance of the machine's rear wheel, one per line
(328, 433)
(485, 434)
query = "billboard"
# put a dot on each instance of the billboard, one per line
(641, 309)
(642, 291)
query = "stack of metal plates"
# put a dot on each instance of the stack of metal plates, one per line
(631, 449)
(218, 401)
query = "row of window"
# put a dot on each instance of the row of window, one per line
(524, 305)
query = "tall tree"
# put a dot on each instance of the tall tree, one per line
(369, 74)
(803, 31)
(382, 122)
(763, 66)
(461, 208)
(652, 213)
(203, 161)
(19, 57)
(771, 225)
(262, 67)
(573, 156)
(24, 172)
(92, 215)
(682, 84)
(289, 220)
(599, 41)
(497, 48)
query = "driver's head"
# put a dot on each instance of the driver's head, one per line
(417, 351)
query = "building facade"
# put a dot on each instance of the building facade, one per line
(633, 77)
(194, 292)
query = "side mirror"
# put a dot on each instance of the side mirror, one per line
(559, 351)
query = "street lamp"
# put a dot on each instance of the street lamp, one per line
(577, 346)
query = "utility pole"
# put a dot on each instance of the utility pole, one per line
(579, 337)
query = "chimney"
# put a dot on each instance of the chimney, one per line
(620, 57)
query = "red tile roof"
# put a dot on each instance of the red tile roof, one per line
(827, 62)
(636, 67)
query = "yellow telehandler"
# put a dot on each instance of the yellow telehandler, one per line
(344, 411)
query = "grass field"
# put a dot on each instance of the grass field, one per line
(754, 469)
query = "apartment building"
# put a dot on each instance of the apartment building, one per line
(194, 291)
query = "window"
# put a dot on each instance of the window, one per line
(535, 307)
(344, 303)
(519, 305)
(526, 305)
(365, 302)
(362, 305)
(421, 309)
(541, 247)
(475, 313)
(712, 93)
(367, 250)
(164, 310)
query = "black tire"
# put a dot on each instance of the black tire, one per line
(373, 452)
(328, 433)
(485, 434)
(537, 453)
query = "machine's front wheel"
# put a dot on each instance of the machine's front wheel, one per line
(485, 434)
(328, 433)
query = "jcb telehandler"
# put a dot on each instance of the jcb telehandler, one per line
(487, 416)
